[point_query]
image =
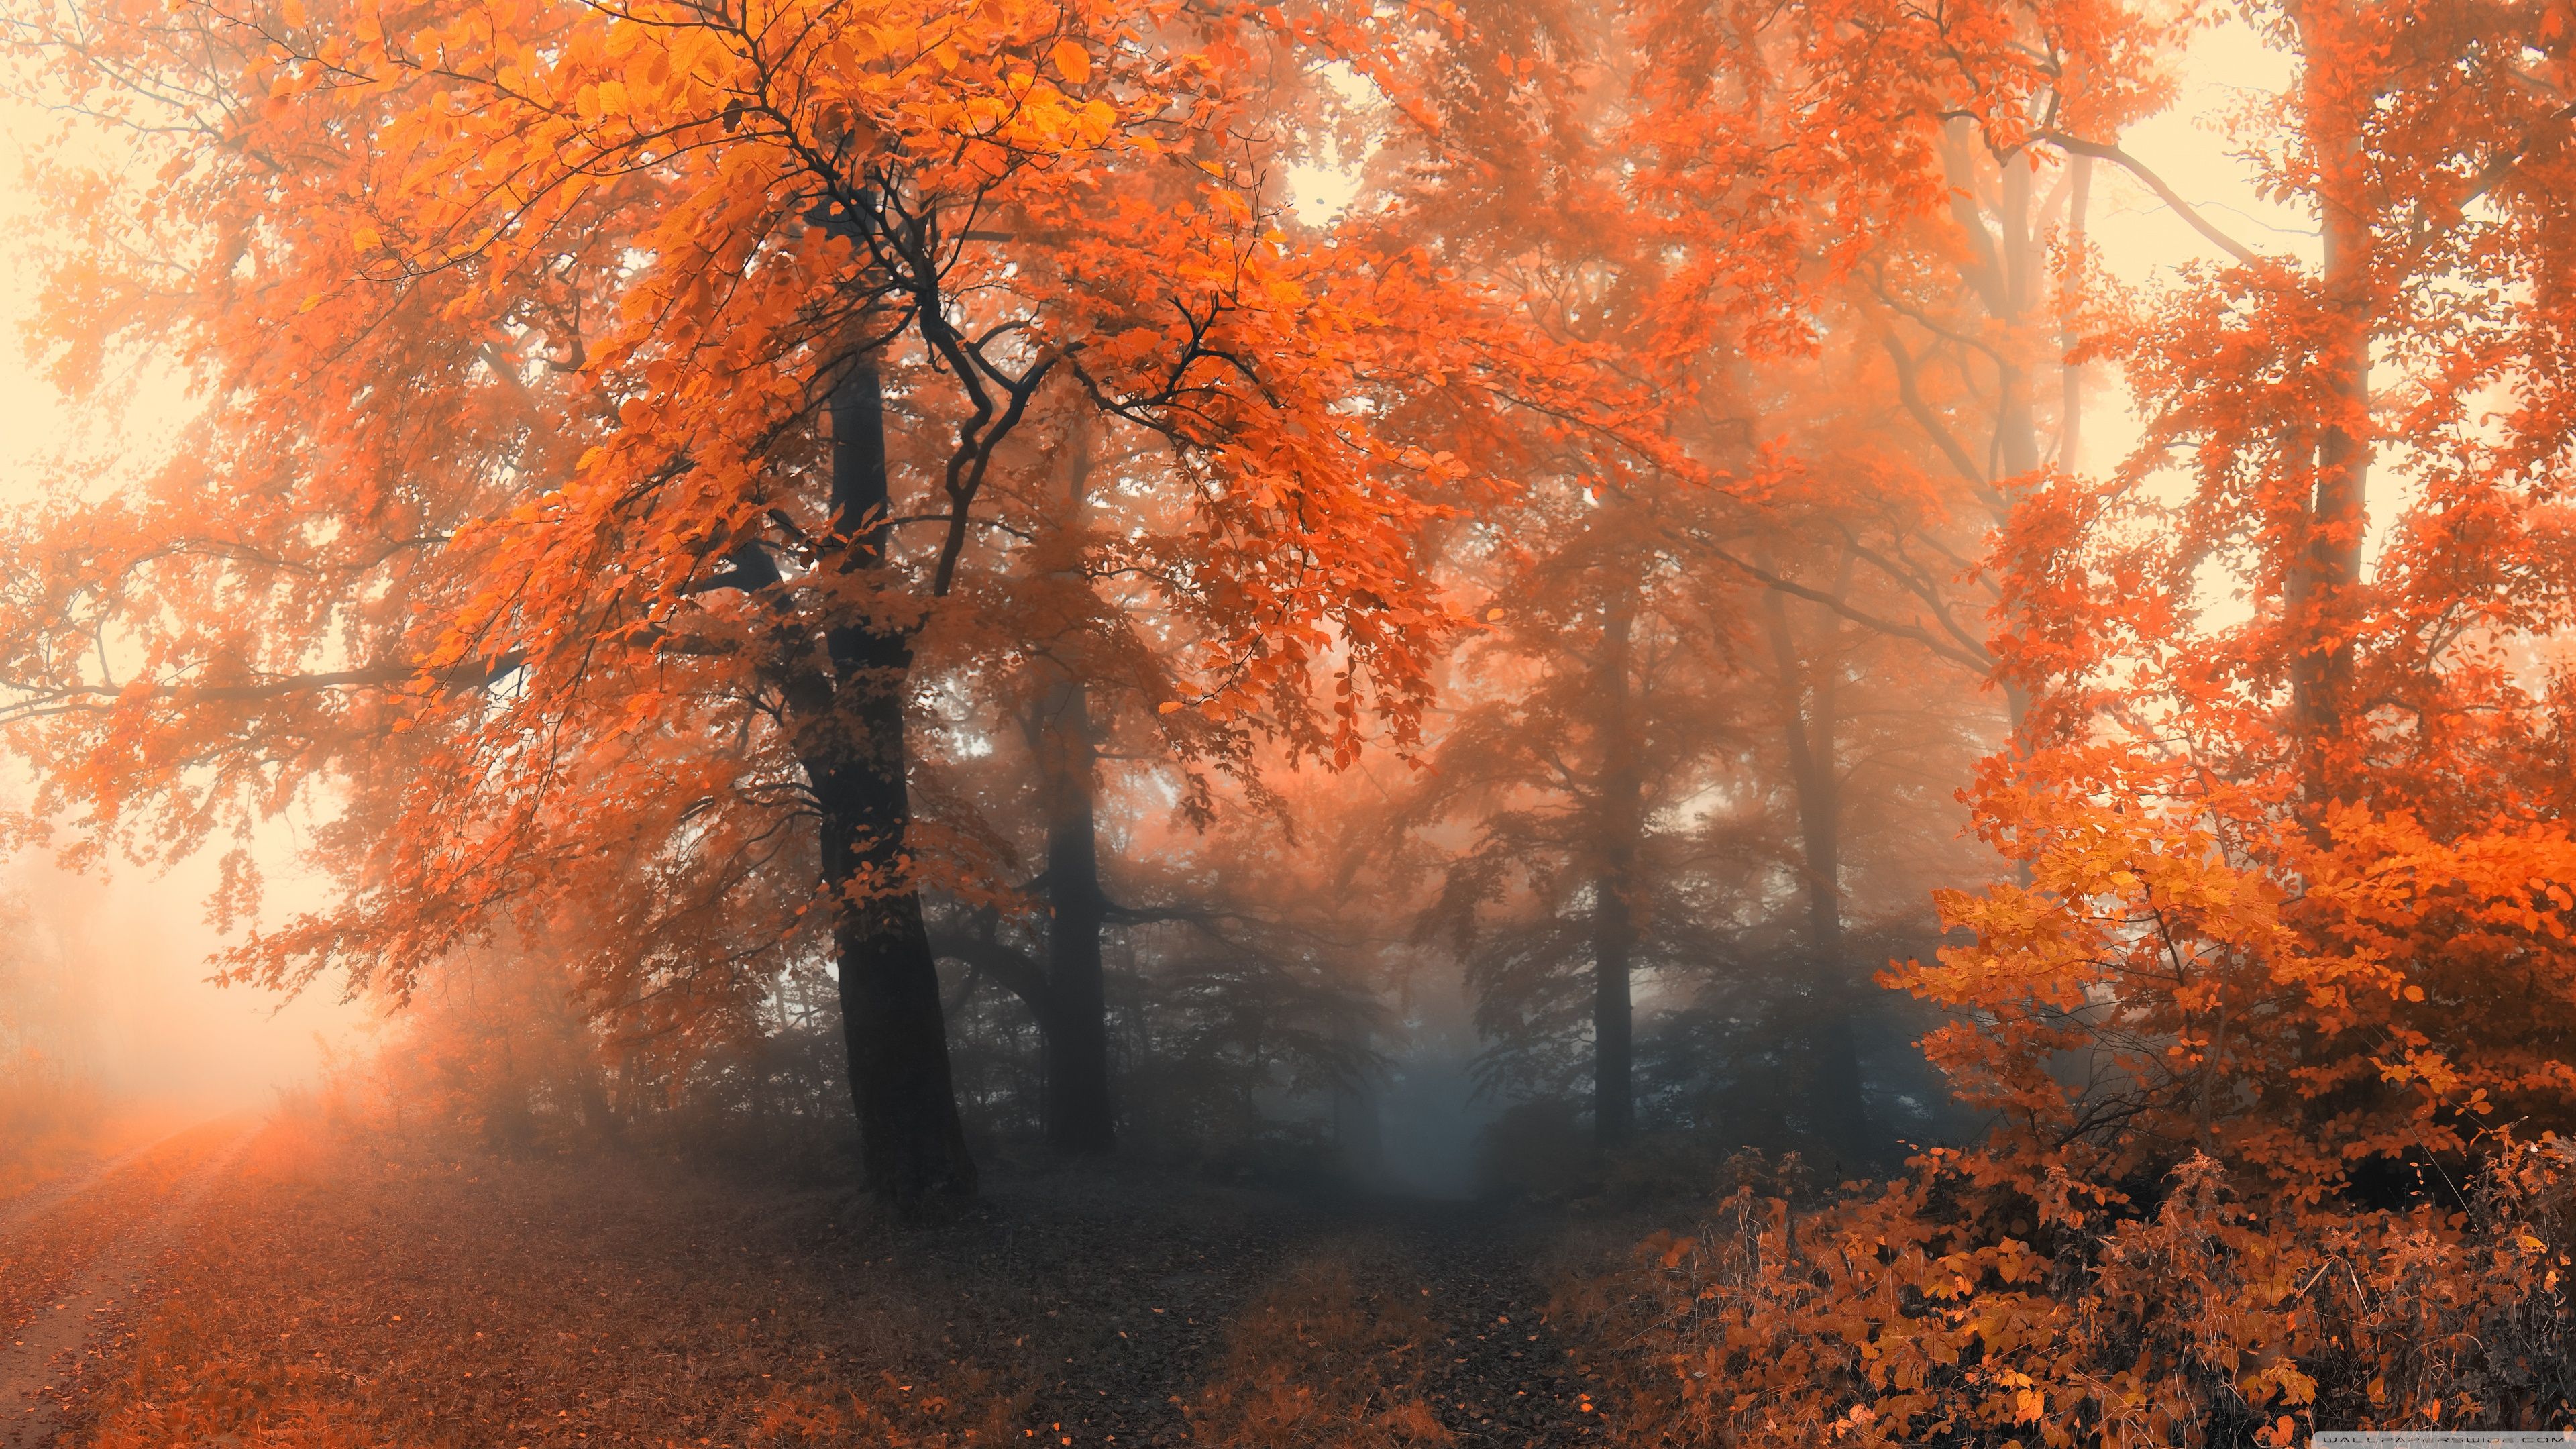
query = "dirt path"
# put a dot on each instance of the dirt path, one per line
(1142, 1334)
(1503, 1373)
(90, 1245)
(48, 1195)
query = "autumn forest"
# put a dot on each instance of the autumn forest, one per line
(1188, 722)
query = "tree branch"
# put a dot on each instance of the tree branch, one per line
(2494, 172)
(2104, 151)
(1980, 661)
(1009, 965)
(41, 702)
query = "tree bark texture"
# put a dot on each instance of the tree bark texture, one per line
(849, 720)
(1080, 1115)
(2324, 592)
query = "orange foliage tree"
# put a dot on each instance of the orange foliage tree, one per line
(2295, 806)
(509, 542)
(2272, 1029)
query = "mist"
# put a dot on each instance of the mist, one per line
(945, 724)
(122, 966)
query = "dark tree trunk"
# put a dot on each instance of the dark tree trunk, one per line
(1614, 1044)
(1809, 708)
(850, 728)
(598, 1117)
(1079, 1114)
(1614, 920)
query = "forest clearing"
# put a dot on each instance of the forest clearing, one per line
(1736, 723)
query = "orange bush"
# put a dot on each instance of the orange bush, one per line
(1943, 1309)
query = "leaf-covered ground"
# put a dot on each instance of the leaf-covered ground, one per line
(332, 1290)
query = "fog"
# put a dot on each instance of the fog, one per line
(120, 955)
(123, 959)
(1513, 723)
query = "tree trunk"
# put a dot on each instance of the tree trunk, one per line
(850, 728)
(2070, 407)
(1614, 1047)
(1079, 1115)
(2323, 602)
(1809, 711)
(2018, 436)
(1614, 923)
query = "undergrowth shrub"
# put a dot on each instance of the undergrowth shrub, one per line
(500, 1050)
(46, 1115)
(1941, 1309)
(51, 1107)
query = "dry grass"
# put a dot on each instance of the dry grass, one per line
(47, 1127)
(1322, 1359)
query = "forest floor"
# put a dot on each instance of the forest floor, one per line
(290, 1284)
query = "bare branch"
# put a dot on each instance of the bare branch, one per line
(2104, 151)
